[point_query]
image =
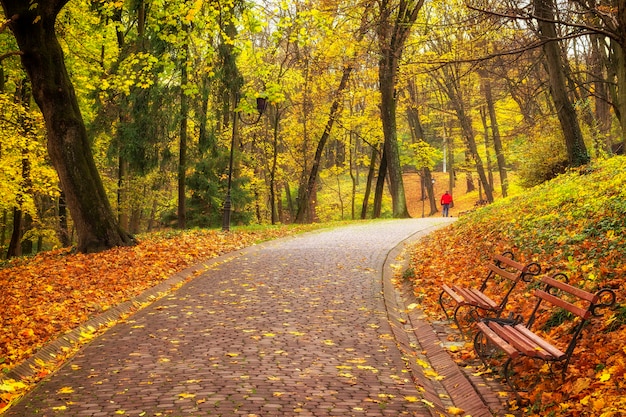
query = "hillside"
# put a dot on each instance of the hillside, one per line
(575, 224)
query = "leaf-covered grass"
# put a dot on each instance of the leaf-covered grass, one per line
(574, 224)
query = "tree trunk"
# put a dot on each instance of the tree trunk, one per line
(290, 205)
(495, 135)
(63, 232)
(368, 186)
(430, 192)
(619, 62)
(388, 115)
(68, 145)
(602, 108)
(576, 150)
(380, 186)
(306, 193)
(412, 115)
(393, 28)
(3, 228)
(182, 156)
(449, 82)
(15, 248)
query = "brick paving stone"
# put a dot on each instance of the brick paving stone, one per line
(304, 326)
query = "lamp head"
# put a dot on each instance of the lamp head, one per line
(261, 104)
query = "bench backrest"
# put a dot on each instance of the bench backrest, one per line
(575, 301)
(504, 266)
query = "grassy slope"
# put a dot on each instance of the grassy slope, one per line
(576, 224)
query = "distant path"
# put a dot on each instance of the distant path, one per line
(293, 327)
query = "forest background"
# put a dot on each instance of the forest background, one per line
(125, 117)
(167, 89)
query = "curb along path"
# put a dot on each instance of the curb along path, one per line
(302, 326)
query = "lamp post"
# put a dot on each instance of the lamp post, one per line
(261, 103)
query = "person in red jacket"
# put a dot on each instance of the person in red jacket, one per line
(446, 200)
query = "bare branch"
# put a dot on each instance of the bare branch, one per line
(9, 54)
(5, 24)
(531, 16)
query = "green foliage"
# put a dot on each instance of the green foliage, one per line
(541, 156)
(558, 317)
(208, 185)
(577, 218)
(419, 155)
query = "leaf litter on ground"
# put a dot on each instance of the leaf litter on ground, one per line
(45, 296)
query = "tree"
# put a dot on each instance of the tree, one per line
(455, 81)
(33, 25)
(576, 149)
(307, 191)
(395, 20)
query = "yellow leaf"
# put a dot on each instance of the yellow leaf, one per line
(423, 364)
(455, 411)
(411, 399)
(65, 390)
(367, 368)
(605, 376)
(12, 385)
(434, 375)
(428, 403)
(186, 395)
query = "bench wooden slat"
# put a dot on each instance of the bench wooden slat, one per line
(511, 276)
(470, 296)
(509, 262)
(456, 297)
(519, 341)
(493, 337)
(580, 293)
(491, 296)
(580, 312)
(482, 299)
(556, 353)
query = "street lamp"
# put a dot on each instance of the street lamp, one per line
(261, 104)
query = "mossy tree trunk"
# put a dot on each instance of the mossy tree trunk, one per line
(68, 145)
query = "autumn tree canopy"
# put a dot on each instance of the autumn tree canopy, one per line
(135, 103)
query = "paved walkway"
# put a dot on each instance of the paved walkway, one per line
(303, 326)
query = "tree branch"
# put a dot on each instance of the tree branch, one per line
(531, 16)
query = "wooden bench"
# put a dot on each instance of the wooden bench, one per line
(504, 273)
(557, 301)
